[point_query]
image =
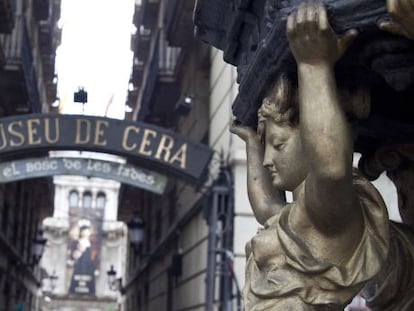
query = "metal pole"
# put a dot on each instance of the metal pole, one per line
(238, 291)
(227, 245)
(211, 261)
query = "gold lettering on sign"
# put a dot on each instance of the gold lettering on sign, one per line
(32, 131)
(15, 132)
(125, 137)
(3, 138)
(146, 142)
(180, 156)
(99, 133)
(83, 138)
(48, 137)
(164, 148)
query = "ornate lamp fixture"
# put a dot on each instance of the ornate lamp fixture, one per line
(114, 283)
(39, 243)
(53, 280)
(136, 231)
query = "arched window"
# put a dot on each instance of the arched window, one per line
(73, 198)
(87, 200)
(101, 200)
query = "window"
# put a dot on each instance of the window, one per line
(73, 198)
(87, 200)
(172, 208)
(5, 214)
(158, 225)
(100, 200)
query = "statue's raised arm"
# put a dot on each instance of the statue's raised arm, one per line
(264, 199)
(329, 197)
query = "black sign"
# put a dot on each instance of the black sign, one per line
(152, 146)
(41, 167)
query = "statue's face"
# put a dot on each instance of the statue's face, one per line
(283, 156)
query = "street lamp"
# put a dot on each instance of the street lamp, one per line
(81, 96)
(111, 277)
(39, 243)
(136, 231)
(53, 280)
(114, 283)
(183, 105)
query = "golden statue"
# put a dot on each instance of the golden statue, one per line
(319, 251)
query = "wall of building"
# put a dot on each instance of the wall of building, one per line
(170, 272)
(106, 231)
(20, 216)
(26, 85)
(223, 88)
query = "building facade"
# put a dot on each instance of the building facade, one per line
(84, 241)
(29, 37)
(189, 258)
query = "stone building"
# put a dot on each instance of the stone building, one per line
(189, 258)
(28, 39)
(85, 210)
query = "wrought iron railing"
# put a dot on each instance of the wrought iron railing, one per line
(169, 13)
(18, 54)
(7, 11)
(12, 43)
(168, 58)
(29, 70)
(150, 83)
(41, 9)
(163, 66)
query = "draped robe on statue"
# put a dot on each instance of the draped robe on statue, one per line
(284, 273)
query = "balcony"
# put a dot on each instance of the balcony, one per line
(58, 36)
(6, 16)
(18, 80)
(49, 38)
(142, 43)
(137, 72)
(179, 22)
(162, 84)
(150, 9)
(41, 9)
(45, 33)
(132, 97)
(48, 32)
(48, 65)
(51, 91)
(2, 57)
(168, 61)
(137, 18)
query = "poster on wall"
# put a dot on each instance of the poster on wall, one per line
(84, 247)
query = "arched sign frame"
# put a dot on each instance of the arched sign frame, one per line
(153, 147)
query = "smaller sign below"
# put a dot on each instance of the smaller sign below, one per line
(50, 166)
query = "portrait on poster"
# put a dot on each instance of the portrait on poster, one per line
(84, 246)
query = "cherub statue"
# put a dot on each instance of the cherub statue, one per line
(319, 251)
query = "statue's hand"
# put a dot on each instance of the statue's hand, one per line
(402, 11)
(244, 132)
(311, 38)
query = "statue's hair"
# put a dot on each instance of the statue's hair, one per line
(280, 104)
